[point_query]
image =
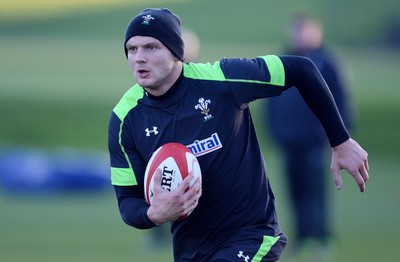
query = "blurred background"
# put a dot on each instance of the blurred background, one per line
(62, 70)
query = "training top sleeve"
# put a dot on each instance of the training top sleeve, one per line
(132, 207)
(304, 75)
(270, 75)
(126, 162)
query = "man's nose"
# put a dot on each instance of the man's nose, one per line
(140, 55)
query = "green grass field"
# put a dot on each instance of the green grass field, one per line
(61, 75)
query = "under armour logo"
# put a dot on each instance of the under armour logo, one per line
(245, 258)
(154, 131)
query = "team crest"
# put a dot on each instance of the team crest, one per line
(203, 107)
(147, 19)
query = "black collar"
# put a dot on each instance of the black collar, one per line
(172, 91)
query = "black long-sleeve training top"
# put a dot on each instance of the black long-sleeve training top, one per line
(207, 110)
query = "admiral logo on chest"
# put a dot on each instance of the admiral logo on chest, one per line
(205, 146)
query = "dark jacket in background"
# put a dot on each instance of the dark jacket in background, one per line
(291, 121)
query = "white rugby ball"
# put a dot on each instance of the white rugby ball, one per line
(176, 161)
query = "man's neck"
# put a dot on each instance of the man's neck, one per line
(171, 90)
(170, 81)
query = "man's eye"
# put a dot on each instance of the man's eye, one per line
(132, 49)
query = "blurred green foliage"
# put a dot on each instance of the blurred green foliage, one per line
(76, 61)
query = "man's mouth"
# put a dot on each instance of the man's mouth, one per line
(142, 73)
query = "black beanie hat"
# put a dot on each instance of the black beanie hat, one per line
(159, 23)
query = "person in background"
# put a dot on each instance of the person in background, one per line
(192, 45)
(302, 140)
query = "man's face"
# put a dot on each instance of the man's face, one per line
(306, 35)
(152, 63)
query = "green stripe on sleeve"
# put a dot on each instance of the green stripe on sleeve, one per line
(123, 177)
(276, 69)
(128, 174)
(204, 71)
(265, 247)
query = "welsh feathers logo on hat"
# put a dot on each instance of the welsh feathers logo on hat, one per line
(147, 19)
(161, 24)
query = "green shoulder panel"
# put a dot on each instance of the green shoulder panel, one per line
(205, 71)
(128, 101)
(209, 71)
